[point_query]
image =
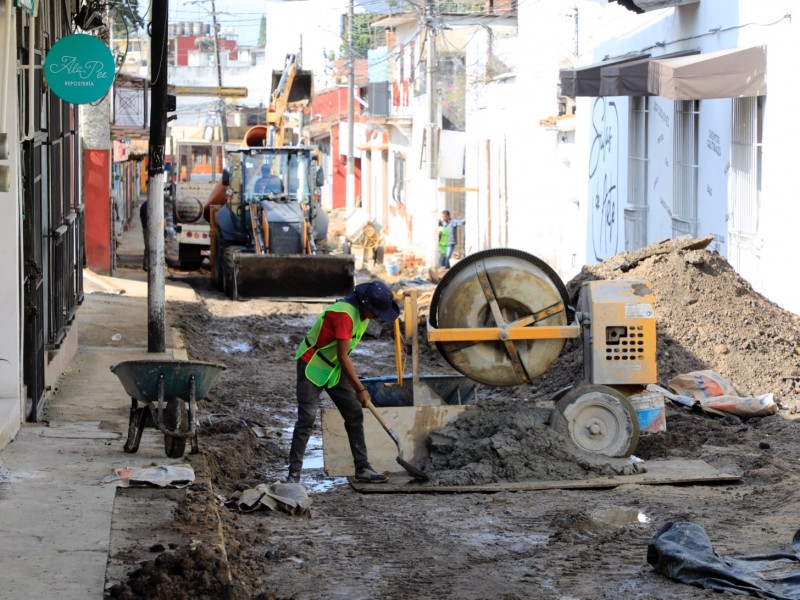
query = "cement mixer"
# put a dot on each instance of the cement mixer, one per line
(501, 317)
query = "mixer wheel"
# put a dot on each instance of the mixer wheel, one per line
(598, 420)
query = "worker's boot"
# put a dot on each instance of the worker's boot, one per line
(293, 477)
(369, 475)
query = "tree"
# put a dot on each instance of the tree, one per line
(362, 35)
(262, 32)
(125, 19)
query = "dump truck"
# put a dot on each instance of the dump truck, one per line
(198, 168)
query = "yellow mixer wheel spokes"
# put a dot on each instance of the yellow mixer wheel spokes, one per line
(523, 288)
(598, 419)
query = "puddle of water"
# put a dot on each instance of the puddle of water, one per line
(622, 516)
(235, 347)
(313, 478)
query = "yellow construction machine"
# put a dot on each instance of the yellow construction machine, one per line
(501, 318)
(268, 228)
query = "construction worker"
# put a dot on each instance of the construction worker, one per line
(323, 363)
(447, 237)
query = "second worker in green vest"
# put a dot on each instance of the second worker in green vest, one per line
(323, 363)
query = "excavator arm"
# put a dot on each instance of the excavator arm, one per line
(289, 85)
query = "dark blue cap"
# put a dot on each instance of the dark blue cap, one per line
(377, 298)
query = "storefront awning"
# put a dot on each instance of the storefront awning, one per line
(730, 73)
(567, 82)
(630, 78)
(585, 81)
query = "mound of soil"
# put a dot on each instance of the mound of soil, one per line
(180, 575)
(504, 440)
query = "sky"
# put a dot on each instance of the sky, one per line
(245, 15)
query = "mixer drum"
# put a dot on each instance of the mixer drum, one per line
(523, 285)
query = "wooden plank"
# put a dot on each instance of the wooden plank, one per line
(662, 472)
(411, 424)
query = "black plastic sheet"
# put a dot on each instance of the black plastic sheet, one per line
(682, 551)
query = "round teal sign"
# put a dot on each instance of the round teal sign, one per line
(79, 68)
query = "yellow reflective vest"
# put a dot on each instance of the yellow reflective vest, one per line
(324, 369)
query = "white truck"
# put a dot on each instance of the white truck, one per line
(198, 167)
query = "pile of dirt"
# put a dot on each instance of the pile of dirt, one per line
(183, 574)
(505, 440)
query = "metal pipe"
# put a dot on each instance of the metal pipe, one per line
(4, 78)
(31, 80)
(350, 178)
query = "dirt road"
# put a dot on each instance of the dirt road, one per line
(548, 544)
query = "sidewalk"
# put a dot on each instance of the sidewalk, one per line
(55, 516)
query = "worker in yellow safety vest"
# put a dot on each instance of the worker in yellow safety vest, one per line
(323, 363)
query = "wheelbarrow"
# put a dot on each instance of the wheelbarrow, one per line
(164, 387)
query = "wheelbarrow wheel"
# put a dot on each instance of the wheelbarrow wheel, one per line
(175, 419)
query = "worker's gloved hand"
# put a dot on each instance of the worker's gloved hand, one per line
(363, 396)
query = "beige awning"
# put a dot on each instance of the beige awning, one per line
(630, 78)
(725, 74)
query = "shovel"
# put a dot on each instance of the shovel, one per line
(417, 473)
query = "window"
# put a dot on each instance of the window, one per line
(746, 164)
(684, 185)
(636, 209)
(745, 186)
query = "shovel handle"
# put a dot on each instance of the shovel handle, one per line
(383, 422)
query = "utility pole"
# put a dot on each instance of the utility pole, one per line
(430, 84)
(431, 135)
(223, 116)
(156, 306)
(350, 179)
(222, 112)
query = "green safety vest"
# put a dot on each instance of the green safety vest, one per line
(444, 238)
(324, 369)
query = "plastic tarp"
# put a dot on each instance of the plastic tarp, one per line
(682, 551)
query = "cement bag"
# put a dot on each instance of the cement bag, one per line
(759, 406)
(701, 384)
(715, 395)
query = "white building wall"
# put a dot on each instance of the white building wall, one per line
(660, 150)
(532, 202)
(742, 23)
(11, 396)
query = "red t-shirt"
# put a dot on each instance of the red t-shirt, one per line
(335, 326)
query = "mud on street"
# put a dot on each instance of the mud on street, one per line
(543, 544)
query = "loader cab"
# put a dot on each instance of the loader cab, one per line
(286, 174)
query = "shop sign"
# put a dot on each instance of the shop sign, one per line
(79, 68)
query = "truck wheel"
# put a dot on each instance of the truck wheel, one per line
(190, 257)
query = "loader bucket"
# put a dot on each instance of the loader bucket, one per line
(292, 275)
(302, 85)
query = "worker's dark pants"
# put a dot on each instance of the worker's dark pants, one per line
(344, 397)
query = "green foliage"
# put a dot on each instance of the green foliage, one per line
(363, 36)
(262, 32)
(125, 19)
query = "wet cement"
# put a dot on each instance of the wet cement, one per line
(505, 440)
